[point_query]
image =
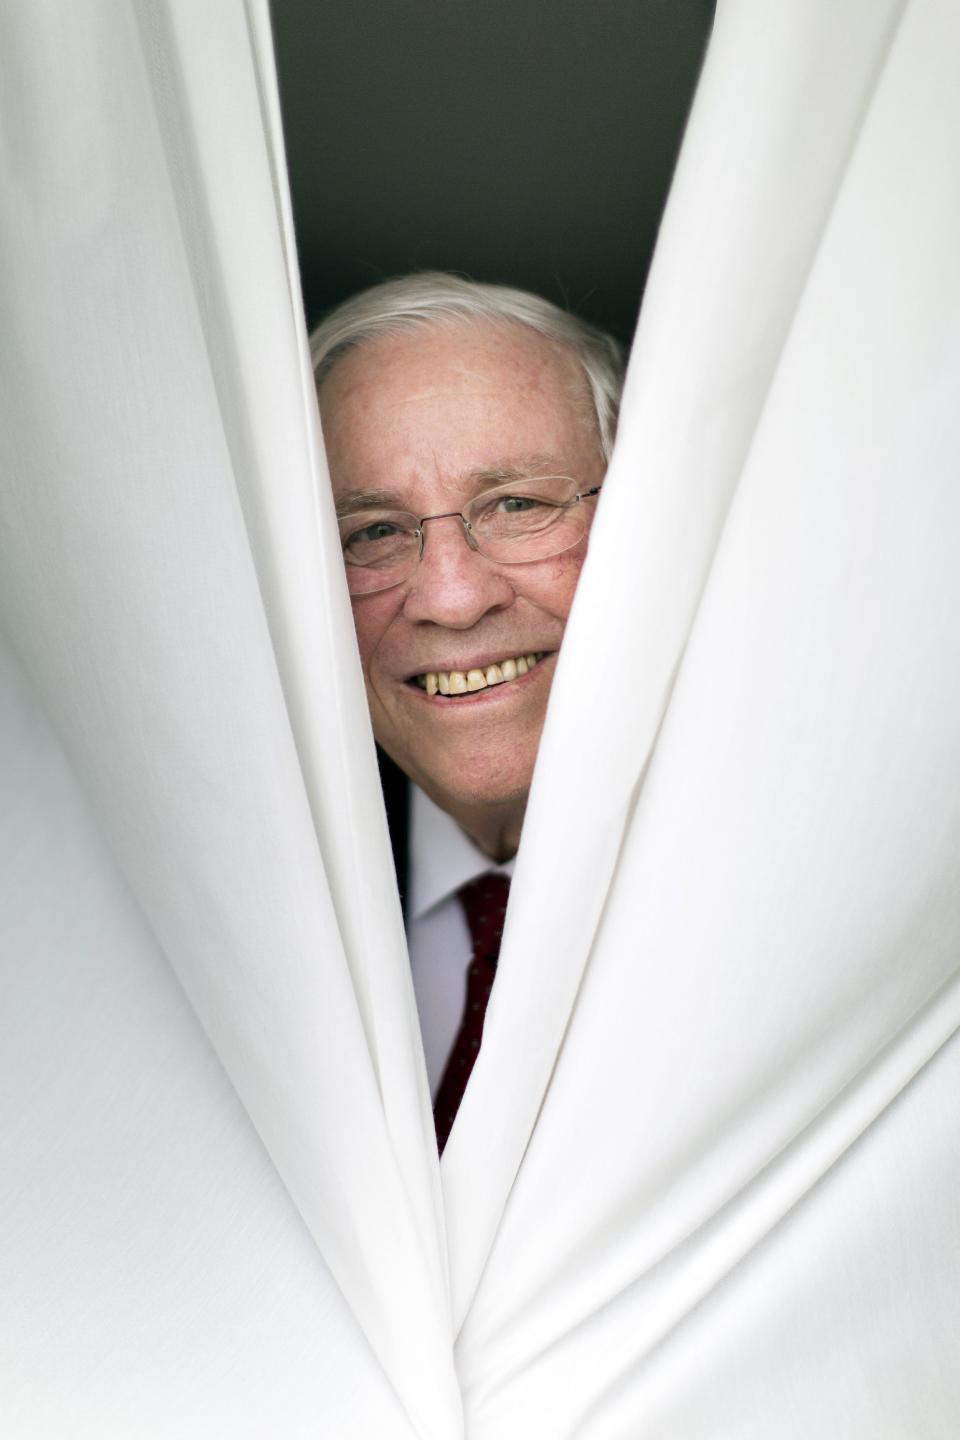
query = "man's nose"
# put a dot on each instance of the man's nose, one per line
(454, 585)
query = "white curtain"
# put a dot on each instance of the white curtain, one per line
(705, 1178)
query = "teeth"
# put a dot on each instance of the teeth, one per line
(459, 682)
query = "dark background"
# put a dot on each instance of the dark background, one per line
(529, 142)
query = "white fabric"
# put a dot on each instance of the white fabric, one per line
(704, 1182)
(442, 858)
(179, 609)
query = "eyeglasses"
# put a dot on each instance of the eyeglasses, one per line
(513, 524)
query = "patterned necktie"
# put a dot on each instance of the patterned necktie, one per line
(484, 901)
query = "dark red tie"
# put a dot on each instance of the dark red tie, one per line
(484, 901)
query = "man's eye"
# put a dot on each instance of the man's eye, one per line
(517, 504)
(379, 530)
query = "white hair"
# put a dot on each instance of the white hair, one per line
(412, 301)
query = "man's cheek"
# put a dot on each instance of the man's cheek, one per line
(554, 588)
(370, 619)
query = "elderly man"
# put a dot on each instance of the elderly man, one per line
(467, 428)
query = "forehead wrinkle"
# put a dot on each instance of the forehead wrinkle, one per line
(499, 471)
(530, 374)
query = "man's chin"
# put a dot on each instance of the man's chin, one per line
(471, 786)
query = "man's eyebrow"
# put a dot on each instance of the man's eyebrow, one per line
(524, 467)
(356, 500)
(500, 473)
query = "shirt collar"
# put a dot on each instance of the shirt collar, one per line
(442, 856)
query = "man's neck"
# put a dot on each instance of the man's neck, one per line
(493, 829)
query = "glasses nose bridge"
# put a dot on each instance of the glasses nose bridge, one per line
(465, 525)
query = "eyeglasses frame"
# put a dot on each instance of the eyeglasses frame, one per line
(469, 536)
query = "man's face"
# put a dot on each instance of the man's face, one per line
(434, 418)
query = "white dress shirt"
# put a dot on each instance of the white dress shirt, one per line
(442, 858)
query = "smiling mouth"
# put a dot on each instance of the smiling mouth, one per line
(467, 682)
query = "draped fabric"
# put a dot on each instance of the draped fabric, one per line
(704, 1181)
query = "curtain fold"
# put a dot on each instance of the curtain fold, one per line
(704, 1178)
(160, 528)
(776, 116)
(766, 812)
